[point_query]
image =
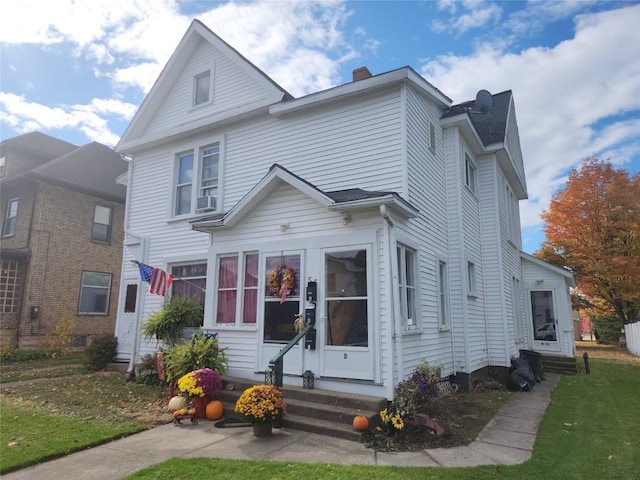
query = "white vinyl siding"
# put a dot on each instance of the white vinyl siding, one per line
(516, 305)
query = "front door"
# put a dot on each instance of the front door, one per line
(544, 320)
(126, 318)
(347, 305)
(283, 280)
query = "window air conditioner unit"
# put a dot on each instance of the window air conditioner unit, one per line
(205, 203)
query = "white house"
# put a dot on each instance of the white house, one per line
(386, 215)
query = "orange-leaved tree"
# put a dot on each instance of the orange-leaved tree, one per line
(592, 228)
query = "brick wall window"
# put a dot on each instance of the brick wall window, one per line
(101, 228)
(10, 284)
(10, 218)
(94, 293)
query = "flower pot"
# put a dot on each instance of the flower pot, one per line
(262, 429)
(201, 406)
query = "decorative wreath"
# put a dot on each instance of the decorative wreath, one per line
(282, 281)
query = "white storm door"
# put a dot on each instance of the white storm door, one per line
(348, 347)
(126, 318)
(281, 296)
(544, 320)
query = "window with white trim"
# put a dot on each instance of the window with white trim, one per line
(197, 174)
(432, 136)
(202, 88)
(407, 284)
(94, 293)
(10, 218)
(516, 305)
(443, 295)
(472, 288)
(101, 227)
(237, 289)
(470, 175)
(189, 280)
(511, 203)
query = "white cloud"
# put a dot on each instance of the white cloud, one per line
(560, 93)
(477, 13)
(300, 44)
(25, 116)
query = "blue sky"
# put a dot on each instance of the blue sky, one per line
(78, 70)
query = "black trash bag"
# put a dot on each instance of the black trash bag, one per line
(521, 377)
(534, 359)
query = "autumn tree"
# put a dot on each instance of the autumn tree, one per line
(592, 228)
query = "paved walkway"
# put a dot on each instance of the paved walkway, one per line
(507, 439)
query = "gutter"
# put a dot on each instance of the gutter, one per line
(394, 327)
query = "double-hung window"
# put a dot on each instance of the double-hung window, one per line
(196, 185)
(472, 288)
(101, 228)
(10, 218)
(407, 284)
(94, 293)
(470, 174)
(510, 203)
(443, 295)
(189, 281)
(237, 292)
(202, 88)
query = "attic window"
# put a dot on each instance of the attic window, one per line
(202, 88)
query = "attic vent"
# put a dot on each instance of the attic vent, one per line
(361, 73)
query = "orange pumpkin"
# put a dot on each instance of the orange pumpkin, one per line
(214, 410)
(360, 423)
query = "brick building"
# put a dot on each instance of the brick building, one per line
(61, 239)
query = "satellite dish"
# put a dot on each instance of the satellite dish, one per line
(484, 101)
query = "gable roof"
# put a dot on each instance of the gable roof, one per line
(491, 127)
(194, 36)
(568, 275)
(40, 144)
(91, 169)
(343, 201)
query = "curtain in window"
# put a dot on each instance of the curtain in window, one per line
(227, 289)
(250, 306)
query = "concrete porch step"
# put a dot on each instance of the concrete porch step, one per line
(117, 367)
(557, 364)
(315, 410)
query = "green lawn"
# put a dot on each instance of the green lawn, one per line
(591, 431)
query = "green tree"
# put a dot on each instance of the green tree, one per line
(592, 227)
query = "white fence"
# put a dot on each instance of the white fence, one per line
(632, 337)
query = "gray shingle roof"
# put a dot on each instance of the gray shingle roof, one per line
(491, 126)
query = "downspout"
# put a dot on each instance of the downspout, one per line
(395, 329)
(131, 374)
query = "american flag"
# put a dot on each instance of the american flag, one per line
(159, 280)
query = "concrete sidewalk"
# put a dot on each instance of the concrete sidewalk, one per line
(507, 439)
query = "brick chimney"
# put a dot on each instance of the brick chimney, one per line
(361, 73)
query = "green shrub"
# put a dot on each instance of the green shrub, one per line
(200, 352)
(101, 352)
(168, 323)
(147, 369)
(22, 355)
(607, 330)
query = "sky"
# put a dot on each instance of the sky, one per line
(78, 70)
